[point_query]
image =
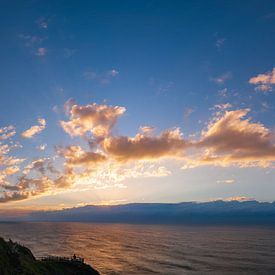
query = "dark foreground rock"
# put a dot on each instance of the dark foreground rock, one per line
(17, 259)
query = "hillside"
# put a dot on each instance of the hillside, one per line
(18, 259)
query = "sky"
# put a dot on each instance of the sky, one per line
(110, 102)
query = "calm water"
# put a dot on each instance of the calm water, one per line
(153, 249)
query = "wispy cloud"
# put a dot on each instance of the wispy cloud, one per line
(227, 181)
(221, 79)
(220, 42)
(42, 147)
(7, 132)
(31, 40)
(41, 51)
(147, 129)
(223, 106)
(187, 113)
(264, 82)
(113, 73)
(239, 198)
(34, 130)
(103, 78)
(42, 22)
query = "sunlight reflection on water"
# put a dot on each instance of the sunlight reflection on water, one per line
(153, 249)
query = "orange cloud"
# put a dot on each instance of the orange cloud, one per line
(169, 144)
(264, 81)
(239, 198)
(34, 130)
(147, 129)
(229, 139)
(76, 156)
(233, 139)
(92, 118)
(267, 78)
(5, 148)
(38, 178)
(7, 132)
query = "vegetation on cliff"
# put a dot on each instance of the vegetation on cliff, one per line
(17, 259)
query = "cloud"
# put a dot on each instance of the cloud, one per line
(239, 198)
(76, 156)
(227, 181)
(97, 120)
(41, 165)
(42, 147)
(34, 130)
(113, 73)
(42, 23)
(5, 158)
(267, 78)
(7, 132)
(32, 181)
(41, 51)
(103, 78)
(147, 129)
(264, 88)
(113, 174)
(223, 106)
(105, 159)
(264, 81)
(223, 92)
(68, 106)
(222, 78)
(5, 172)
(187, 113)
(38, 178)
(220, 42)
(232, 139)
(6, 146)
(169, 144)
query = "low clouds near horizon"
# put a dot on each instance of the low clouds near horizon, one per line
(230, 139)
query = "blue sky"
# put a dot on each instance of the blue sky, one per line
(169, 64)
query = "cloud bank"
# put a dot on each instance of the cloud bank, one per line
(102, 158)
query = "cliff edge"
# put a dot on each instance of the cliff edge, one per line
(18, 259)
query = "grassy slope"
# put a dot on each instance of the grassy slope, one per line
(16, 259)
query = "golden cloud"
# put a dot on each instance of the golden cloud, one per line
(264, 81)
(169, 144)
(7, 132)
(231, 138)
(76, 156)
(34, 130)
(92, 118)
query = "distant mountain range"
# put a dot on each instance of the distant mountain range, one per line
(215, 212)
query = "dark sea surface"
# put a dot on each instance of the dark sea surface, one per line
(153, 249)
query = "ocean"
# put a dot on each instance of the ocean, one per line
(153, 249)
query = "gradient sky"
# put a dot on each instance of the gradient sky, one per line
(136, 101)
